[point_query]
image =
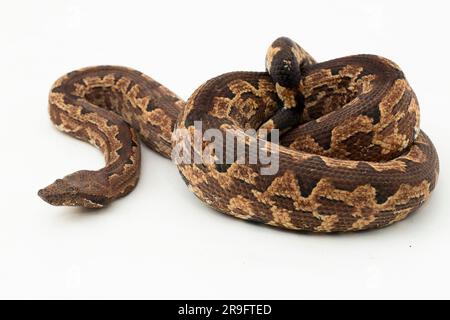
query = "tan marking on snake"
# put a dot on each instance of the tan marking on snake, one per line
(286, 95)
(160, 119)
(243, 173)
(238, 205)
(281, 217)
(271, 52)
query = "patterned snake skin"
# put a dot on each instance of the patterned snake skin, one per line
(351, 155)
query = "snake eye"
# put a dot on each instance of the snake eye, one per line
(71, 190)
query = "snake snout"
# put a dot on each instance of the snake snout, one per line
(67, 192)
(57, 192)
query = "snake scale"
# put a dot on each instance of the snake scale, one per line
(351, 154)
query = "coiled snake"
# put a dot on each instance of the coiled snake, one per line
(351, 155)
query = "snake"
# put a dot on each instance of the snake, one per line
(350, 154)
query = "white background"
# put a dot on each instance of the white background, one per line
(160, 241)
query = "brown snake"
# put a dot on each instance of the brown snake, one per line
(351, 156)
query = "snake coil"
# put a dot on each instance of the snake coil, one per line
(351, 154)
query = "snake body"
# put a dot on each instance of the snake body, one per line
(351, 156)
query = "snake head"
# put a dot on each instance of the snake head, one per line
(76, 189)
(284, 66)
